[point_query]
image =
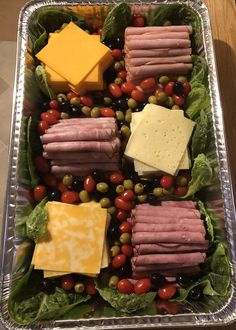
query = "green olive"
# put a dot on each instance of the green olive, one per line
(117, 66)
(115, 250)
(167, 23)
(105, 202)
(182, 79)
(118, 81)
(61, 97)
(63, 26)
(102, 187)
(168, 191)
(64, 115)
(181, 181)
(125, 131)
(120, 115)
(107, 100)
(164, 80)
(175, 107)
(132, 104)
(122, 63)
(79, 287)
(125, 238)
(84, 196)
(113, 282)
(120, 189)
(95, 112)
(161, 97)
(158, 191)
(86, 110)
(169, 102)
(142, 198)
(75, 101)
(128, 184)
(67, 180)
(152, 99)
(128, 116)
(138, 188)
(111, 210)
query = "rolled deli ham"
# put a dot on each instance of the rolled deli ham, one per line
(155, 29)
(184, 204)
(158, 43)
(155, 267)
(142, 227)
(168, 237)
(77, 168)
(136, 53)
(157, 60)
(169, 248)
(177, 258)
(169, 273)
(159, 35)
(82, 157)
(146, 209)
(152, 219)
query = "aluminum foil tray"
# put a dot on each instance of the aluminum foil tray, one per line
(217, 311)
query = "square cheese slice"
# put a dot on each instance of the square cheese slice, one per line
(73, 54)
(161, 139)
(74, 240)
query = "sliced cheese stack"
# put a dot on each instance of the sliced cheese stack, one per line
(75, 241)
(168, 239)
(159, 140)
(75, 60)
(154, 50)
(80, 145)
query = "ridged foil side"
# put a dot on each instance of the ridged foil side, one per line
(196, 314)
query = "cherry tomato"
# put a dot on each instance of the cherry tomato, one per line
(180, 191)
(125, 227)
(89, 183)
(49, 118)
(186, 87)
(127, 87)
(167, 291)
(164, 306)
(54, 104)
(86, 100)
(122, 74)
(42, 127)
(137, 95)
(116, 178)
(122, 215)
(167, 181)
(142, 286)
(138, 21)
(115, 90)
(121, 204)
(70, 95)
(125, 286)
(50, 179)
(116, 53)
(107, 112)
(40, 192)
(55, 113)
(179, 100)
(69, 197)
(42, 164)
(127, 250)
(67, 282)
(90, 287)
(148, 84)
(168, 89)
(61, 187)
(128, 195)
(119, 261)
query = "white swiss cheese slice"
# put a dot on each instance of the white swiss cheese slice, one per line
(160, 139)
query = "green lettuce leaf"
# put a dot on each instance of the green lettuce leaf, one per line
(178, 14)
(207, 219)
(199, 73)
(36, 223)
(30, 151)
(116, 21)
(41, 78)
(127, 303)
(23, 170)
(200, 134)
(22, 213)
(197, 100)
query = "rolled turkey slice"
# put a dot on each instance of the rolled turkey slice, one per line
(168, 237)
(78, 168)
(158, 43)
(169, 248)
(158, 35)
(165, 259)
(166, 52)
(154, 29)
(142, 227)
(82, 157)
(96, 146)
(130, 62)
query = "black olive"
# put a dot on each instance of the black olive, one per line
(45, 106)
(47, 286)
(75, 111)
(64, 106)
(119, 43)
(156, 182)
(125, 271)
(183, 281)
(113, 106)
(178, 88)
(54, 195)
(134, 177)
(142, 105)
(98, 98)
(77, 185)
(152, 199)
(157, 280)
(98, 176)
(96, 195)
(121, 104)
(195, 293)
(113, 230)
(110, 75)
(147, 186)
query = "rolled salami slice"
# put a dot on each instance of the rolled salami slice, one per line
(169, 248)
(152, 219)
(158, 35)
(184, 204)
(97, 146)
(79, 134)
(157, 52)
(168, 237)
(176, 258)
(173, 272)
(130, 62)
(154, 29)
(82, 157)
(77, 168)
(142, 227)
(158, 43)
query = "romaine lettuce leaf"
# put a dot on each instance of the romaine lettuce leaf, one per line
(36, 223)
(207, 219)
(197, 100)
(41, 78)
(22, 213)
(199, 138)
(199, 73)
